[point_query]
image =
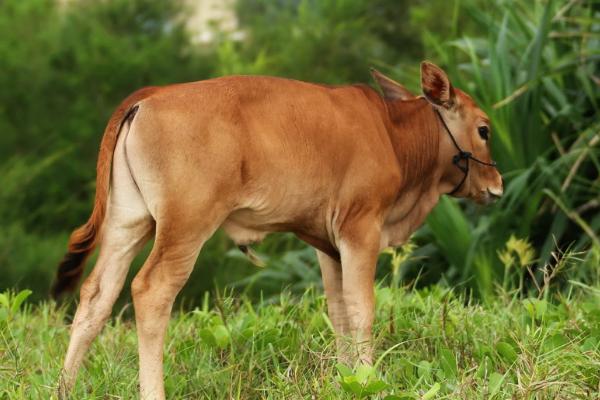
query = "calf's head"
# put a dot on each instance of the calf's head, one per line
(467, 167)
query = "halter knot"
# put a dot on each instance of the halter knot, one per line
(462, 155)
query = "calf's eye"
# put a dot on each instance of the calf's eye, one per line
(483, 132)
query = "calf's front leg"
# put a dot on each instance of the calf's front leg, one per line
(359, 248)
(331, 272)
(154, 290)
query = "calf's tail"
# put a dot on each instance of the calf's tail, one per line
(84, 239)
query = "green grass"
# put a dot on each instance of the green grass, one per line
(431, 344)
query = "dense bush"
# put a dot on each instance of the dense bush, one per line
(63, 71)
(535, 74)
(532, 68)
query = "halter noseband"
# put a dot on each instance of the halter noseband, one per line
(461, 155)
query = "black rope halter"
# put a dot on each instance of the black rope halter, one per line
(462, 155)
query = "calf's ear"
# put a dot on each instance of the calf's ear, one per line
(436, 85)
(391, 89)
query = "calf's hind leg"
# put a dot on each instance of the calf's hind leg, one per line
(154, 290)
(127, 227)
(99, 292)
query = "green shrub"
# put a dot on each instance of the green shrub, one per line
(534, 76)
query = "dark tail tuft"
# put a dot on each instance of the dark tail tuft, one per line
(81, 244)
(69, 273)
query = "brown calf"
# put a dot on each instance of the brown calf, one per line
(348, 171)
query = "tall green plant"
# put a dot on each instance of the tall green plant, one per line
(534, 75)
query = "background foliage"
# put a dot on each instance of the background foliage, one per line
(532, 66)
